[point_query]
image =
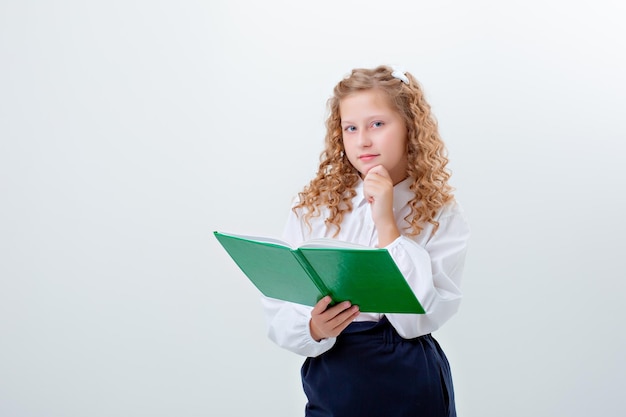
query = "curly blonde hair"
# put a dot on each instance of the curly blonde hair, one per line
(333, 186)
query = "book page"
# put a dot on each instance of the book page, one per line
(332, 243)
(262, 239)
(311, 244)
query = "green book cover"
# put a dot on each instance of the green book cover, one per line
(367, 277)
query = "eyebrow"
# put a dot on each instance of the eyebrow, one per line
(374, 117)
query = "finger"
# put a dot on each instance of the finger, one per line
(379, 170)
(374, 187)
(323, 326)
(346, 315)
(332, 312)
(374, 170)
(347, 318)
(321, 305)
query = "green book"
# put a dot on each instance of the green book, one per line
(366, 277)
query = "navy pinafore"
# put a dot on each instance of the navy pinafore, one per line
(372, 371)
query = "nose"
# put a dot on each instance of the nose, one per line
(364, 138)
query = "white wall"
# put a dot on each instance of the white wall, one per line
(130, 130)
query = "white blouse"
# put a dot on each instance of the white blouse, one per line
(431, 264)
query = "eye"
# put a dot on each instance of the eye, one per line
(378, 124)
(350, 128)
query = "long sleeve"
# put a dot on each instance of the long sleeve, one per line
(288, 323)
(434, 273)
(288, 327)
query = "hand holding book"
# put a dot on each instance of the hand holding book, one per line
(329, 321)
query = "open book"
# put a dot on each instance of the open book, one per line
(365, 276)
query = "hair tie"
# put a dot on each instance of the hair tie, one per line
(400, 74)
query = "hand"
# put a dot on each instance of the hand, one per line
(330, 322)
(378, 190)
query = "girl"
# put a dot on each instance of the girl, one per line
(382, 182)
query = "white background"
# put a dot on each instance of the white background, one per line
(131, 130)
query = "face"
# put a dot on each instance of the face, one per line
(374, 134)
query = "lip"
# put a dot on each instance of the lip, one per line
(367, 157)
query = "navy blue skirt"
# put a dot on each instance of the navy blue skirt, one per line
(372, 371)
